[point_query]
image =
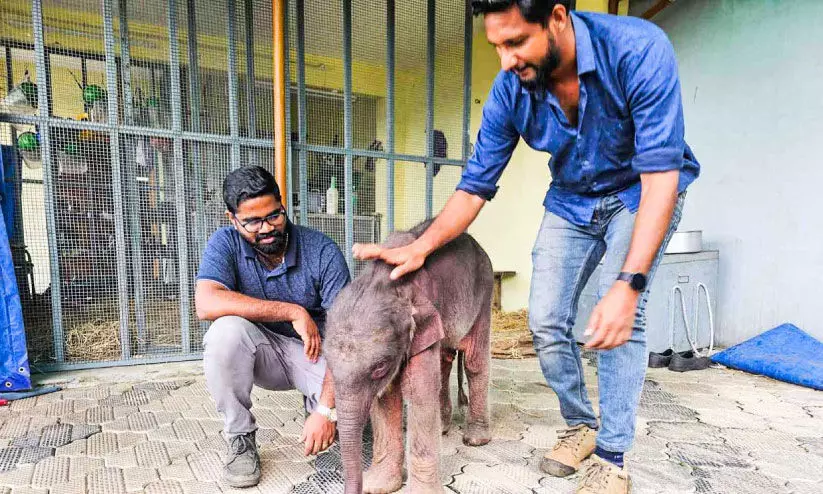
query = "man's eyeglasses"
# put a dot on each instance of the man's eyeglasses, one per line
(255, 225)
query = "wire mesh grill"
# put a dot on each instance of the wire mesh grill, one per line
(113, 205)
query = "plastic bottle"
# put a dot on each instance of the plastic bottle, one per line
(332, 195)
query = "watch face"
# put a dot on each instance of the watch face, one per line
(638, 282)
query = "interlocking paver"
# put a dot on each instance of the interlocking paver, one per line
(79, 467)
(75, 486)
(151, 454)
(74, 448)
(34, 454)
(142, 422)
(196, 487)
(101, 444)
(15, 427)
(706, 432)
(106, 481)
(708, 455)
(163, 433)
(82, 431)
(164, 417)
(797, 465)
(179, 469)
(51, 471)
(688, 432)
(164, 487)
(273, 480)
(57, 435)
(28, 490)
(99, 414)
(738, 481)
(20, 476)
(136, 478)
(180, 449)
(188, 430)
(126, 439)
(124, 458)
(206, 466)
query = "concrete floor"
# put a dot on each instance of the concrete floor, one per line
(154, 429)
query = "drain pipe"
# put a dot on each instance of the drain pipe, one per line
(278, 15)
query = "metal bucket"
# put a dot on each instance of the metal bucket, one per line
(685, 242)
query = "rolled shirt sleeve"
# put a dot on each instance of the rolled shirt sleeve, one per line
(653, 92)
(218, 261)
(496, 141)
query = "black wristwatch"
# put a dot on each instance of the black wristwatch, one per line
(635, 280)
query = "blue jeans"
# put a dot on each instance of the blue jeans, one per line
(564, 257)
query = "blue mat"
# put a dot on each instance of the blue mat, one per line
(785, 353)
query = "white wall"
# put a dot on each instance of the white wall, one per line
(752, 75)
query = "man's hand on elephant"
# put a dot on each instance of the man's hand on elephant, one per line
(612, 320)
(408, 259)
(304, 326)
(318, 434)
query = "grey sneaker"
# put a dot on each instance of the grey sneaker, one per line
(242, 468)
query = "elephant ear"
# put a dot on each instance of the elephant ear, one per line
(428, 327)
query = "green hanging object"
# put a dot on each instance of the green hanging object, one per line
(70, 149)
(93, 93)
(29, 89)
(152, 102)
(27, 141)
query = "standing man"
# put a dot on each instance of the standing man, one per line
(267, 284)
(601, 94)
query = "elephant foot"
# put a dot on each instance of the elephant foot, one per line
(383, 477)
(476, 435)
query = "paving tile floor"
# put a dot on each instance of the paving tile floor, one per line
(154, 429)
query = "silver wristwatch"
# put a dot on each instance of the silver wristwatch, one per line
(329, 413)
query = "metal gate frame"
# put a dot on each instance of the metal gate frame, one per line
(119, 66)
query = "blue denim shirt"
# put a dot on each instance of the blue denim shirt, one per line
(630, 121)
(312, 273)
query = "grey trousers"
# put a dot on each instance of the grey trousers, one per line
(237, 354)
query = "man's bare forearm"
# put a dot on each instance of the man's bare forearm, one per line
(327, 393)
(214, 301)
(657, 201)
(458, 213)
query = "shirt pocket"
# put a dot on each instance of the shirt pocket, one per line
(616, 140)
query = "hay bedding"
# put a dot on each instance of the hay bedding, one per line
(511, 338)
(93, 335)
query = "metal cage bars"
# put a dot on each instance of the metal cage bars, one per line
(119, 89)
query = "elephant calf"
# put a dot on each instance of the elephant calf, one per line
(397, 339)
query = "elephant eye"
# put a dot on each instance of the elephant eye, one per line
(381, 370)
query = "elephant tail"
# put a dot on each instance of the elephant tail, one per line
(462, 399)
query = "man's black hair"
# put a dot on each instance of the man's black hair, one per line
(534, 11)
(248, 182)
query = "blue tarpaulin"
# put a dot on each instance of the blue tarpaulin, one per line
(14, 360)
(785, 353)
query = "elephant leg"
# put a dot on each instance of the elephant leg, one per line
(446, 359)
(421, 383)
(386, 472)
(478, 360)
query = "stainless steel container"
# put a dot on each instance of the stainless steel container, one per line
(685, 242)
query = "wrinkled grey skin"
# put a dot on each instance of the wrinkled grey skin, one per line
(368, 344)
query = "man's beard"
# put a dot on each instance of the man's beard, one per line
(543, 70)
(276, 248)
